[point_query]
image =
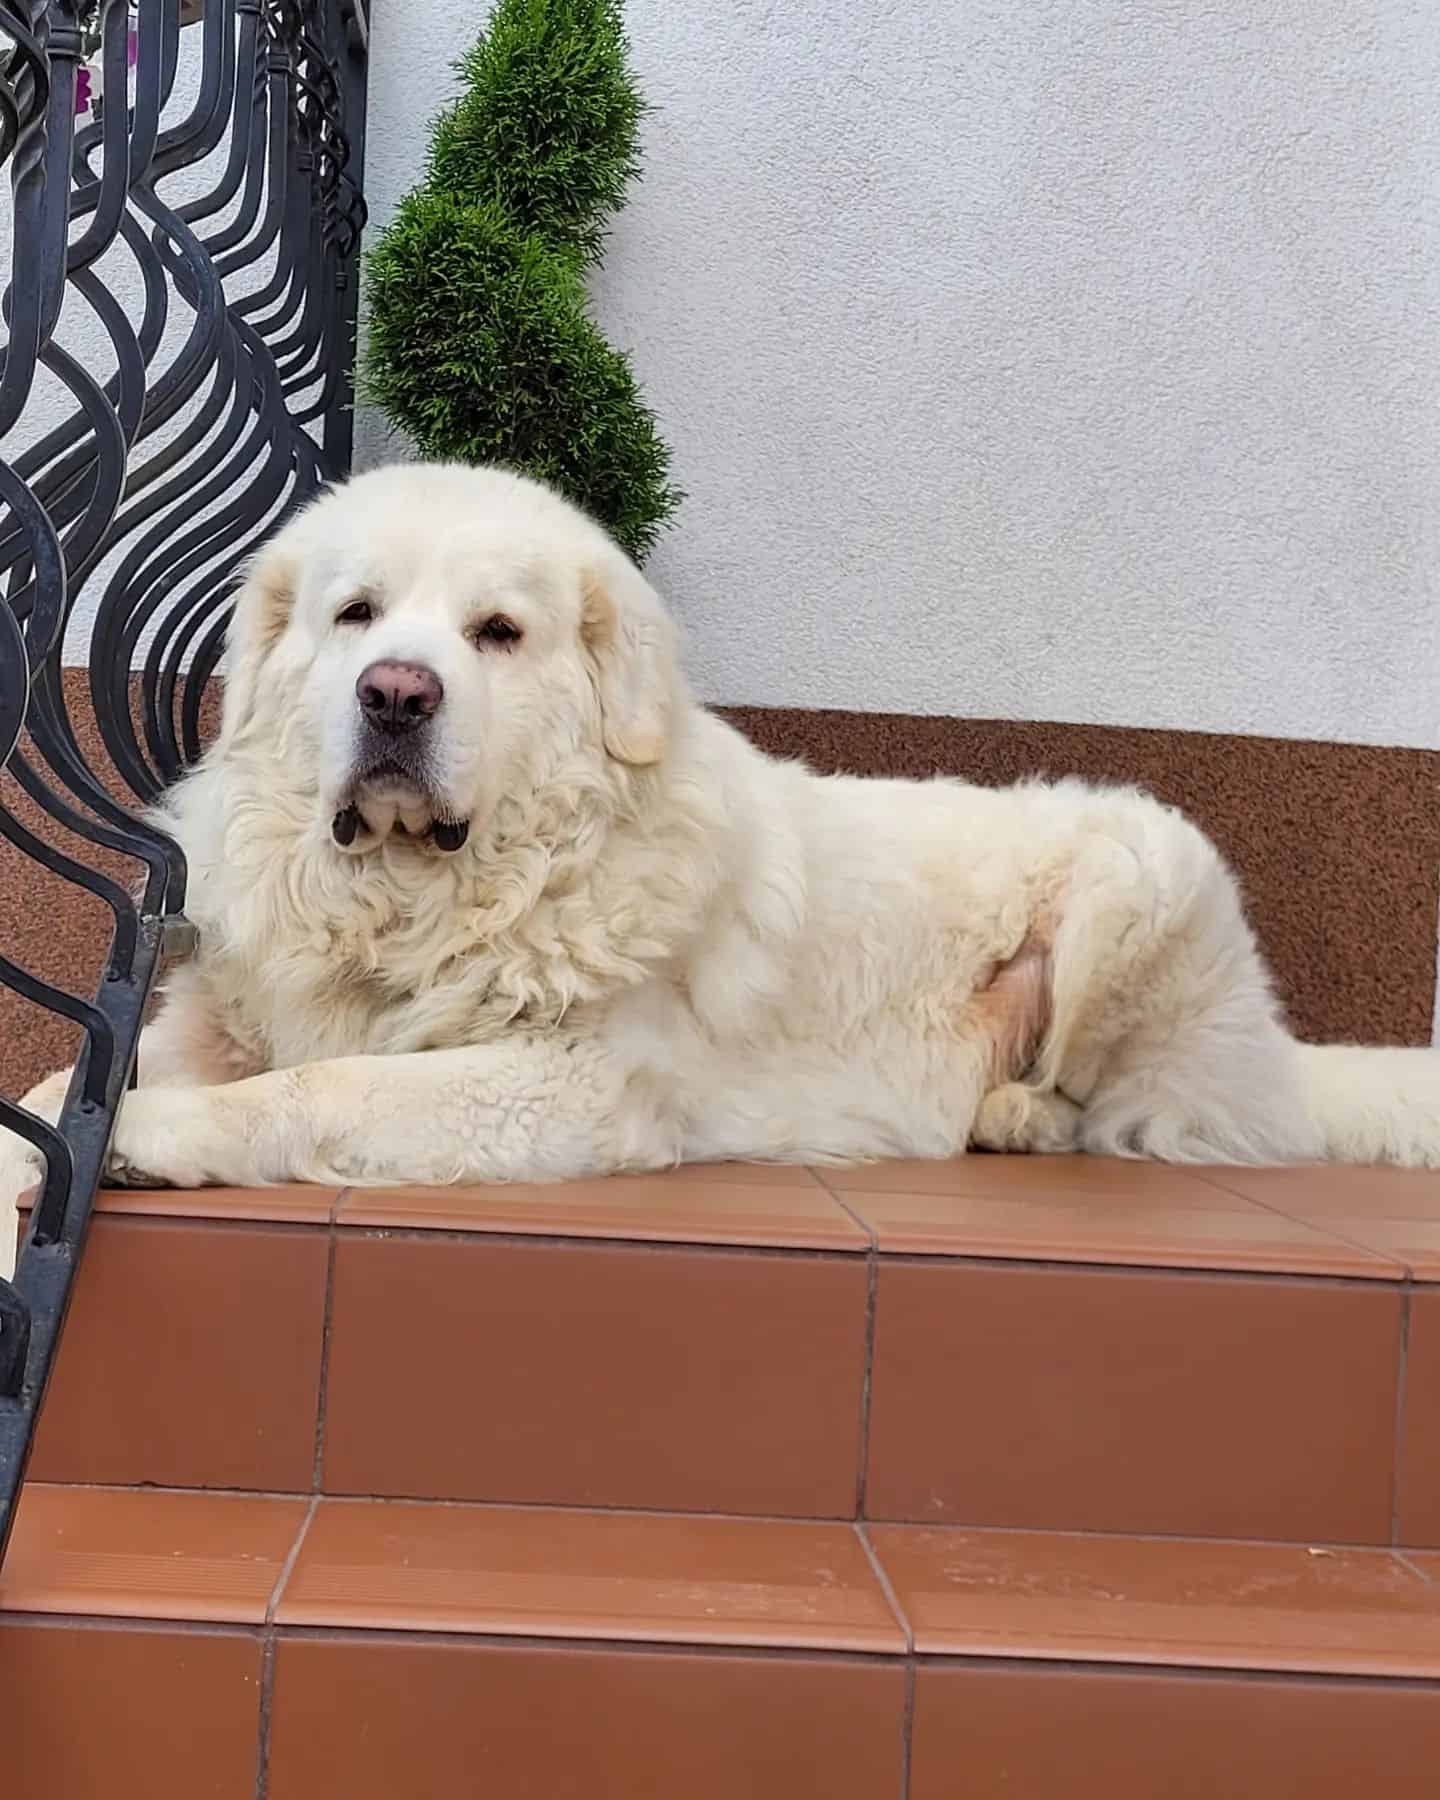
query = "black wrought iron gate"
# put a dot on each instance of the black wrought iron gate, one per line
(176, 376)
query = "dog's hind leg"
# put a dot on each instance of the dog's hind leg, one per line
(1163, 1022)
(1013, 1012)
(1018, 1118)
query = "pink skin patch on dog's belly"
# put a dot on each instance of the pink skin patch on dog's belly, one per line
(1012, 1010)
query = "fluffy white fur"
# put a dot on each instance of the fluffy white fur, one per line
(658, 944)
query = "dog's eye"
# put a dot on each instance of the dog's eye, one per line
(358, 612)
(497, 629)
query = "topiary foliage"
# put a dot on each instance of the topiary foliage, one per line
(480, 346)
(548, 124)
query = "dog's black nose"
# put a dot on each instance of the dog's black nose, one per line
(398, 696)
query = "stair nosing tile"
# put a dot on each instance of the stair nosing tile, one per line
(517, 1617)
(50, 1585)
(1153, 1634)
(516, 1214)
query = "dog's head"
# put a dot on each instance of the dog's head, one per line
(428, 639)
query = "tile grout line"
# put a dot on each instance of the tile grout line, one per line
(497, 1638)
(872, 1287)
(1311, 1225)
(1205, 1174)
(907, 1727)
(1382, 1269)
(1403, 1270)
(887, 1587)
(1390, 1268)
(1387, 1267)
(902, 1619)
(453, 1503)
(1388, 1276)
(267, 1654)
(751, 1245)
(364, 1225)
(292, 1557)
(262, 1732)
(872, 1242)
(867, 1385)
(1402, 1382)
(322, 1386)
(1403, 1558)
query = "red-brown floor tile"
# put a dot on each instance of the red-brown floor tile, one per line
(127, 1713)
(141, 1554)
(732, 1174)
(1087, 1734)
(1390, 1212)
(1324, 1190)
(1084, 1399)
(1181, 1602)
(294, 1204)
(1393, 1213)
(1111, 1178)
(596, 1374)
(291, 1205)
(1172, 1232)
(191, 1358)
(1419, 1498)
(548, 1572)
(552, 1723)
(1412, 1244)
(657, 1208)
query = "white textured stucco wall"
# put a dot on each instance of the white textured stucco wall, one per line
(1075, 359)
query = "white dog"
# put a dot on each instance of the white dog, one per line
(483, 895)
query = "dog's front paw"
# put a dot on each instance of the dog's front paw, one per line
(122, 1173)
(155, 1139)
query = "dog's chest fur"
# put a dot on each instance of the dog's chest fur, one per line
(395, 975)
(308, 955)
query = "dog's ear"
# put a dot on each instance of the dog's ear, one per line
(262, 611)
(631, 645)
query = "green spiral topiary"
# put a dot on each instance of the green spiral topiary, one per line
(480, 346)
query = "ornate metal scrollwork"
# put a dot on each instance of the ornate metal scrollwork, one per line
(187, 192)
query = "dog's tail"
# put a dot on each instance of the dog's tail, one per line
(1374, 1105)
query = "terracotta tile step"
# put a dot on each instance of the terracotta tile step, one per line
(1362, 1223)
(433, 1650)
(708, 1581)
(1051, 1343)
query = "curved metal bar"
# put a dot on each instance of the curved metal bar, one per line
(140, 499)
(29, 28)
(33, 462)
(197, 135)
(59, 1164)
(14, 683)
(63, 49)
(14, 1323)
(54, 737)
(206, 660)
(45, 615)
(99, 1031)
(122, 909)
(42, 641)
(104, 200)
